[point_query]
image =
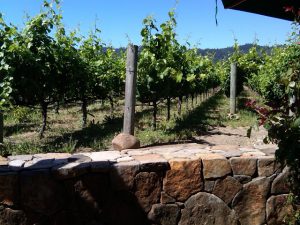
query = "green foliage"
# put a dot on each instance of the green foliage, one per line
(266, 80)
(283, 120)
(6, 33)
(20, 114)
(167, 69)
(42, 64)
(283, 126)
(248, 65)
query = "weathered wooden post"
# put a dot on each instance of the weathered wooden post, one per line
(233, 74)
(130, 89)
(126, 139)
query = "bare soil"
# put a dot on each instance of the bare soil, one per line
(235, 136)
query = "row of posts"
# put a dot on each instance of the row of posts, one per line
(130, 91)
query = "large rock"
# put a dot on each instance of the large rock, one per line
(250, 203)
(204, 208)
(214, 165)
(267, 166)
(9, 189)
(227, 188)
(277, 208)
(164, 214)
(243, 166)
(281, 183)
(183, 179)
(125, 141)
(148, 188)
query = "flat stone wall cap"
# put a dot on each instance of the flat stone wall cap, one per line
(16, 164)
(79, 158)
(269, 151)
(232, 153)
(247, 149)
(180, 154)
(225, 147)
(111, 156)
(41, 163)
(253, 154)
(139, 152)
(164, 148)
(20, 157)
(125, 159)
(152, 162)
(197, 151)
(125, 141)
(70, 170)
(210, 156)
(52, 155)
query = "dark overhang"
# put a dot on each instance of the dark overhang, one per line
(272, 8)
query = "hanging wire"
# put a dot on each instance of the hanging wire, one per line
(216, 13)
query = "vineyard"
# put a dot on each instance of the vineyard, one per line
(63, 91)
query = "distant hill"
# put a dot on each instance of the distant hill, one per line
(221, 53)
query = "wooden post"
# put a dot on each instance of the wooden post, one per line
(130, 89)
(1, 127)
(233, 74)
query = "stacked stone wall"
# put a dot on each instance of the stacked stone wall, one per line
(169, 185)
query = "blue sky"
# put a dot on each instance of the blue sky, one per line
(120, 20)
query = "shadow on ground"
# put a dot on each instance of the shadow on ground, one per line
(89, 135)
(198, 118)
(17, 128)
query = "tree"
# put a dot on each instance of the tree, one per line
(35, 77)
(156, 69)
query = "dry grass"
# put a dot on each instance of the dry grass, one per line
(64, 132)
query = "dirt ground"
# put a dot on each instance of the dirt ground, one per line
(235, 136)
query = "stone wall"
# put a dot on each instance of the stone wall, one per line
(169, 185)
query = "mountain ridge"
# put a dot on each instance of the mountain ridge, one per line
(223, 53)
